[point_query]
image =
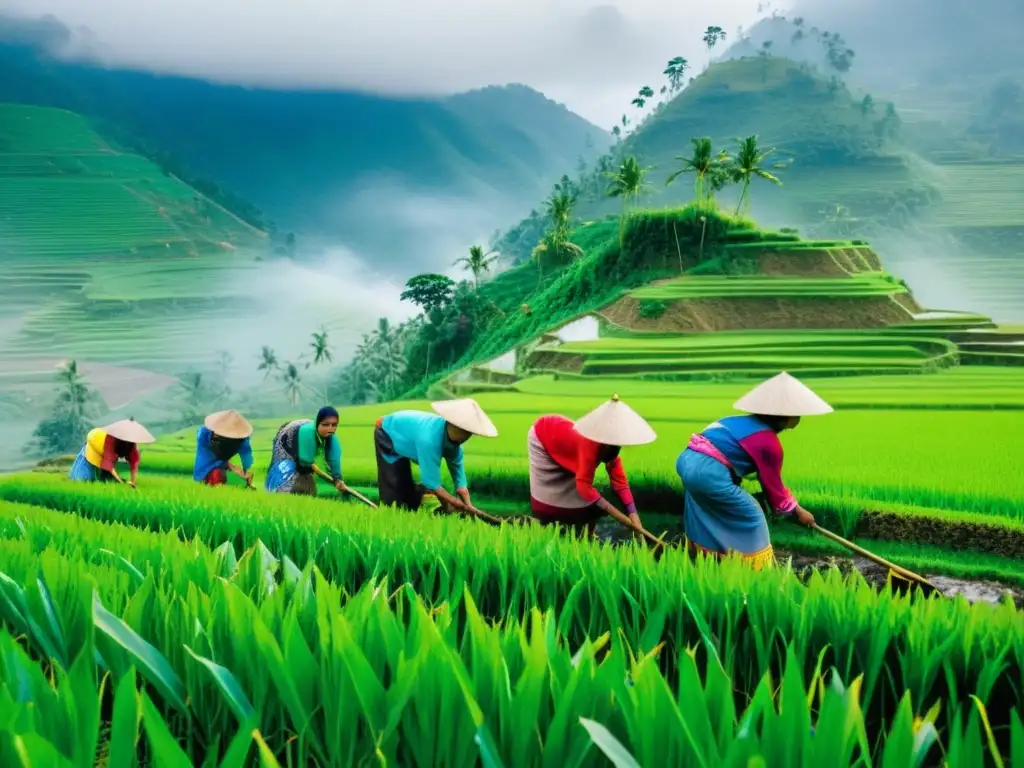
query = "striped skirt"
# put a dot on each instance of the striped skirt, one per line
(720, 518)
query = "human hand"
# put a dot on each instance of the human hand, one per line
(803, 517)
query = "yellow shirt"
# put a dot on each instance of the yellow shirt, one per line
(94, 443)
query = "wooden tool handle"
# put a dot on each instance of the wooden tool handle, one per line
(909, 575)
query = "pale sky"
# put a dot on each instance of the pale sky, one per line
(590, 55)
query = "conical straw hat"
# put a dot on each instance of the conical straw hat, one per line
(229, 424)
(466, 414)
(130, 431)
(782, 395)
(615, 423)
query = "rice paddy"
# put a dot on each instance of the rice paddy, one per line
(758, 287)
(220, 622)
(185, 625)
(84, 227)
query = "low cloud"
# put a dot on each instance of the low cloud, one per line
(590, 56)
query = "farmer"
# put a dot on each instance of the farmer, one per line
(404, 438)
(297, 446)
(223, 436)
(720, 517)
(564, 457)
(104, 446)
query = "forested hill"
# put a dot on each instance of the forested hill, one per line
(324, 162)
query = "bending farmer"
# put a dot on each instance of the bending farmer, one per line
(296, 448)
(415, 437)
(104, 446)
(720, 516)
(564, 457)
(223, 436)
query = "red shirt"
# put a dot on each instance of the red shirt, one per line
(110, 455)
(579, 455)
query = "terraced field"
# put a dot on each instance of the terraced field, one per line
(980, 194)
(228, 620)
(84, 227)
(820, 353)
(878, 284)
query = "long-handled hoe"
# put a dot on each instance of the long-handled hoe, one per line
(927, 588)
(894, 570)
(319, 472)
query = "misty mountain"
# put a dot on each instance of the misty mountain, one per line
(955, 63)
(374, 172)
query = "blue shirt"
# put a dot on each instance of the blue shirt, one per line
(207, 461)
(422, 438)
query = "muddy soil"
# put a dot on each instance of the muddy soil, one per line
(973, 591)
(748, 313)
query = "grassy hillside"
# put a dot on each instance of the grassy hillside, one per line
(101, 254)
(756, 302)
(948, 213)
(329, 163)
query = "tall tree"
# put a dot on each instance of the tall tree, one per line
(555, 247)
(291, 382)
(561, 203)
(477, 262)
(429, 291)
(320, 347)
(713, 35)
(642, 96)
(675, 71)
(268, 362)
(703, 162)
(65, 429)
(748, 164)
(628, 184)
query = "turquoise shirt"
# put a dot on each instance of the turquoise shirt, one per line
(310, 444)
(421, 437)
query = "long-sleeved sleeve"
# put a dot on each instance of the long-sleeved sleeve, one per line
(332, 454)
(457, 468)
(428, 455)
(245, 454)
(586, 466)
(620, 483)
(109, 454)
(133, 457)
(765, 450)
(306, 445)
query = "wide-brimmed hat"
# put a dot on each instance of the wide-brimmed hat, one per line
(466, 414)
(229, 424)
(782, 395)
(129, 431)
(615, 423)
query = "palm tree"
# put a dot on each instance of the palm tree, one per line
(747, 165)
(627, 183)
(268, 362)
(557, 244)
(478, 262)
(703, 163)
(320, 347)
(712, 35)
(643, 95)
(561, 202)
(291, 380)
(676, 72)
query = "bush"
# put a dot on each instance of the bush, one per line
(653, 309)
